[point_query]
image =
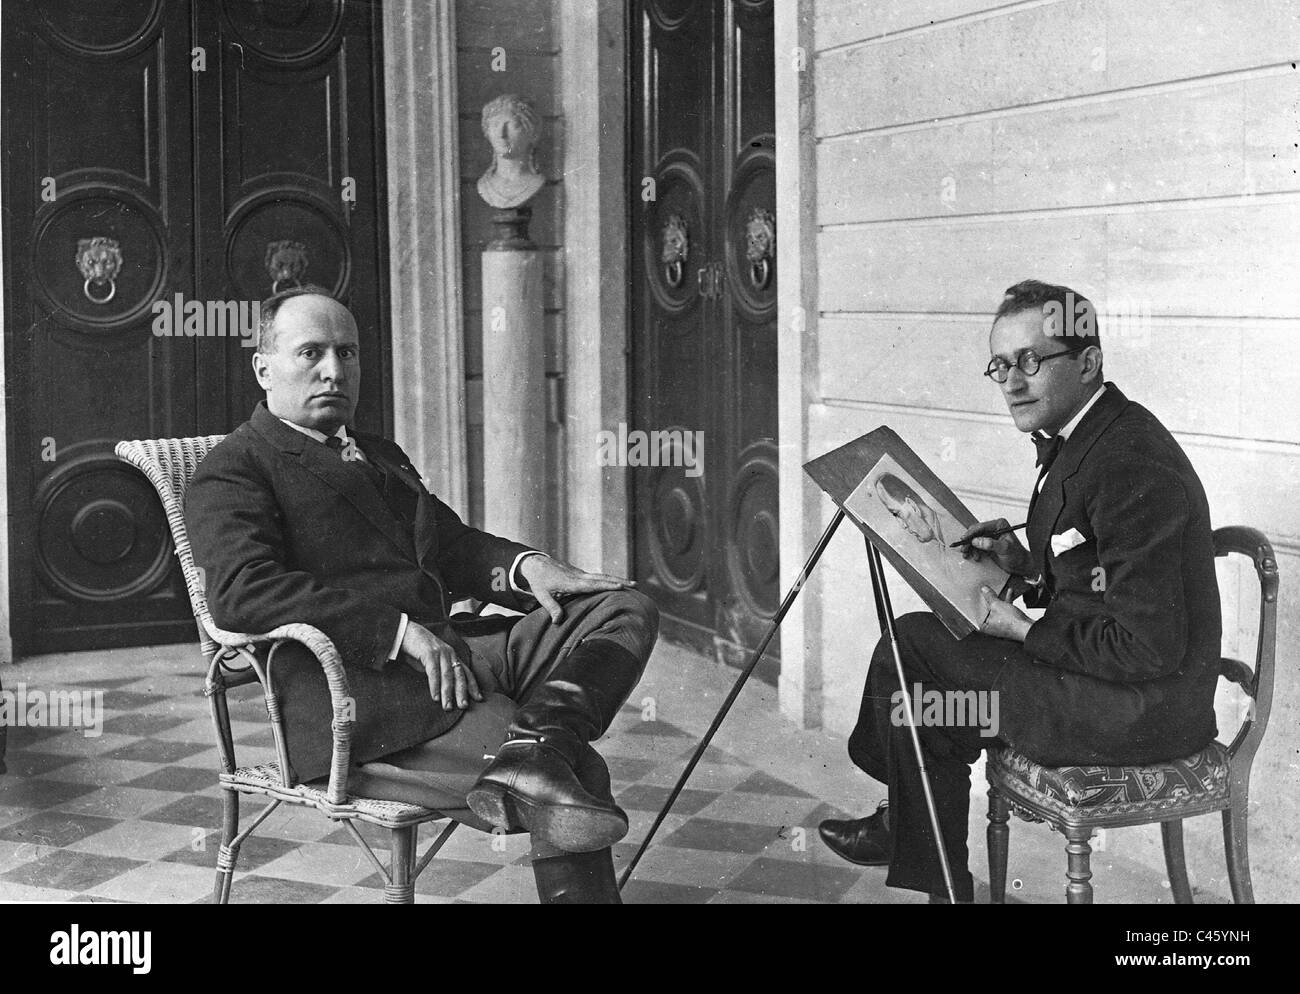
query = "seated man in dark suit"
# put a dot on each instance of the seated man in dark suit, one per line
(297, 517)
(1122, 666)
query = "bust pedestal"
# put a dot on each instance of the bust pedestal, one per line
(514, 383)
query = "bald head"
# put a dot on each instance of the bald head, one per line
(270, 308)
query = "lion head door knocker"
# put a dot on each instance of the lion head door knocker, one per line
(760, 246)
(285, 261)
(676, 249)
(100, 260)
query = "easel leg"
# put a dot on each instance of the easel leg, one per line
(885, 614)
(757, 654)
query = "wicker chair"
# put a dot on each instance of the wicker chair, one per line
(169, 464)
(1078, 800)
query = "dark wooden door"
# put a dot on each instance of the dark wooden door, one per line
(292, 159)
(704, 316)
(188, 135)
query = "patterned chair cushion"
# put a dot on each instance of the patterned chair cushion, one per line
(1200, 776)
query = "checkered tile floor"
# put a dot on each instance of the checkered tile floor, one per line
(131, 815)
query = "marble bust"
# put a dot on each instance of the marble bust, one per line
(512, 127)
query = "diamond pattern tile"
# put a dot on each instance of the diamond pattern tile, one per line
(134, 814)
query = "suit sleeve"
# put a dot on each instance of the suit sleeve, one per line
(234, 522)
(1031, 595)
(475, 563)
(1139, 512)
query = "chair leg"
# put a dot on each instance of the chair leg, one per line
(228, 854)
(1078, 854)
(1235, 845)
(400, 888)
(998, 836)
(1171, 832)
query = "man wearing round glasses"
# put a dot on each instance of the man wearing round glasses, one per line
(1122, 666)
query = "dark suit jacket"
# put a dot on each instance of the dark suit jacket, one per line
(286, 531)
(1136, 603)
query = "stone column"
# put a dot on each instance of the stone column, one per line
(594, 75)
(428, 335)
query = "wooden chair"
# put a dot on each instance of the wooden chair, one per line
(169, 463)
(1078, 800)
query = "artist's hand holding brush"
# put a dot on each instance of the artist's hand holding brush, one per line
(996, 539)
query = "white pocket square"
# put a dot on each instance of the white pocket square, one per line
(1066, 541)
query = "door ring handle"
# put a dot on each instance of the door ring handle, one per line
(112, 290)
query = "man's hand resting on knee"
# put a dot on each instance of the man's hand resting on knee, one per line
(549, 579)
(451, 682)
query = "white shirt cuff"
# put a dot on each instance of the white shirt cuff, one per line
(514, 571)
(397, 642)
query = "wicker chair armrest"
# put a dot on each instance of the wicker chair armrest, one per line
(341, 704)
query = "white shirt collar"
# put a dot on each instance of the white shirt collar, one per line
(318, 435)
(1074, 421)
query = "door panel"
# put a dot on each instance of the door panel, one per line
(751, 535)
(704, 313)
(111, 133)
(87, 156)
(673, 314)
(300, 166)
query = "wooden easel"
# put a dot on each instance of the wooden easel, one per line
(885, 615)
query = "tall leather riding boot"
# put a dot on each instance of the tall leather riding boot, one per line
(531, 783)
(577, 878)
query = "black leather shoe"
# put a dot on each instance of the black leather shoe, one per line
(864, 841)
(531, 787)
(579, 878)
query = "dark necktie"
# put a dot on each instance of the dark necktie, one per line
(1048, 450)
(399, 498)
(376, 476)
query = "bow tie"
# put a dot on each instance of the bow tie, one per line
(1048, 448)
(336, 443)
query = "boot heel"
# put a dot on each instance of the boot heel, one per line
(488, 801)
(578, 829)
